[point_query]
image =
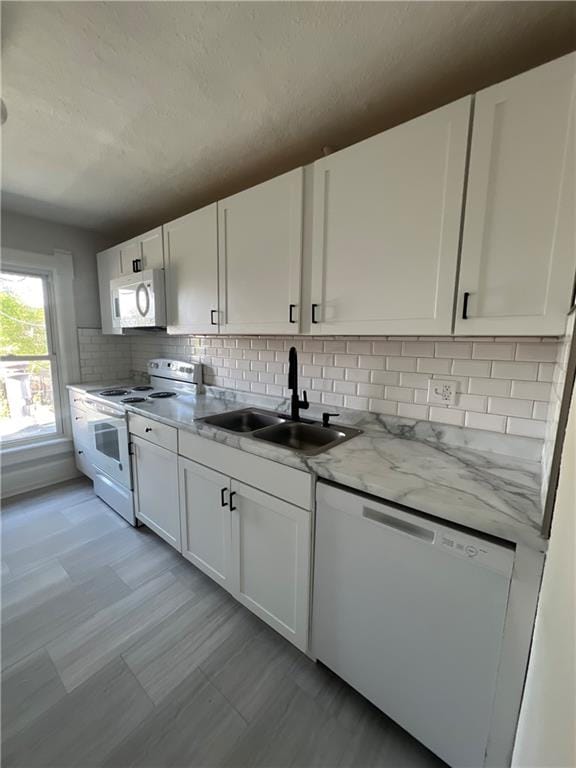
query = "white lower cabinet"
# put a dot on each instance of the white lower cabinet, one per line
(156, 489)
(82, 447)
(253, 544)
(271, 560)
(205, 520)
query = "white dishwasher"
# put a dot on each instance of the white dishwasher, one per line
(411, 613)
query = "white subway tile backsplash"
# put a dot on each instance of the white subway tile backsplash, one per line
(531, 390)
(471, 367)
(359, 347)
(472, 403)
(487, 421)
(540, 410)
(387, 407)
(358, 374)
(523, 371)
(493, 351)
(387, 348)
(386, 375)
(400, 394)
(401, 363)
(526, 427)
(413, 411)
(536, 351)
(418, 348)
(371, 390)
(508, 406)
(447, 415)
(452, 349)
(498, 387)
(415, 380)
(433, 365)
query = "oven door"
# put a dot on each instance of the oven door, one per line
(108, 432)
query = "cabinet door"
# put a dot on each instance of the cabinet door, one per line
(151, 250)
(386, 226)
(191, 250)
(260, 255)
(156, 489)
(271, 560)
(129, 255)
(108, 268)
(518, 253)
(143, 252)
(82, 443)
(205, 520)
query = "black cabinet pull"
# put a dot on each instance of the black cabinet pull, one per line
(212, 321)
(291, 313)
(138, 263)
(314, 308)
(465, 306)
(223, 502)
(148, 429)
(134, 265)
(232, 507)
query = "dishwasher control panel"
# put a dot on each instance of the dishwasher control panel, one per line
(474, 549)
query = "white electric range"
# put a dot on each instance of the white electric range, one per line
(105, 425)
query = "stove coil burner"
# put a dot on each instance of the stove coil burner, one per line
(161, 395)
(114, 392)
(133, 400)
(142, 388)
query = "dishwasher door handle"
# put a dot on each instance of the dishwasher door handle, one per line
(417, 531)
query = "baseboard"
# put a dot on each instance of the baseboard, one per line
(30, 476)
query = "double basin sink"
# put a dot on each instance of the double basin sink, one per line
(304, 436)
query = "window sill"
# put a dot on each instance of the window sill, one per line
(17, 454)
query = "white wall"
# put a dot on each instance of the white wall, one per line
(546, 735)
(26, 233)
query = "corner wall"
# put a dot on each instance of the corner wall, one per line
(545, 736)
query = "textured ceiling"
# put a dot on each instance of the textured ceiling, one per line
(122, 115)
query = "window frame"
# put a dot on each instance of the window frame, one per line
(58, 269)
(52, 357)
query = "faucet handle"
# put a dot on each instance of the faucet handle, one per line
(326, 418)
(304, 402)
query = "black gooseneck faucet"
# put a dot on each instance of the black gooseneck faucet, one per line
(296, 403)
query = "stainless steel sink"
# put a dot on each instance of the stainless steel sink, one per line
(245, 420)
(307, 438)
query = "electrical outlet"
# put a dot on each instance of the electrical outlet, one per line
(441, 392)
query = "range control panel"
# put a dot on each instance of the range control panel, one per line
(177, 370)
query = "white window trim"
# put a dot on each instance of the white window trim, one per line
(59, 265)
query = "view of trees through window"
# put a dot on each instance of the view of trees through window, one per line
(26, 363)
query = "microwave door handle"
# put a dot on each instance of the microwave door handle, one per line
(139, 291)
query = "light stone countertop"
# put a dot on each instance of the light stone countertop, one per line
(486, 482)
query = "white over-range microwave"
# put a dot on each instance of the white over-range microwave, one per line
(139, 300)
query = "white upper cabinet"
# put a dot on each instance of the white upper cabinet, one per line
(386, 226)
(191, 252)
(108, 268)
(518, 254)
(259, 257)
(143, 252)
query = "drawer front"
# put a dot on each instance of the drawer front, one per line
(286, 483)
(76, 400)
(153, 431)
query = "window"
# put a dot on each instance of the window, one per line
(29, 390)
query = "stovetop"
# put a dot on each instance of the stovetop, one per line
(140, 393)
